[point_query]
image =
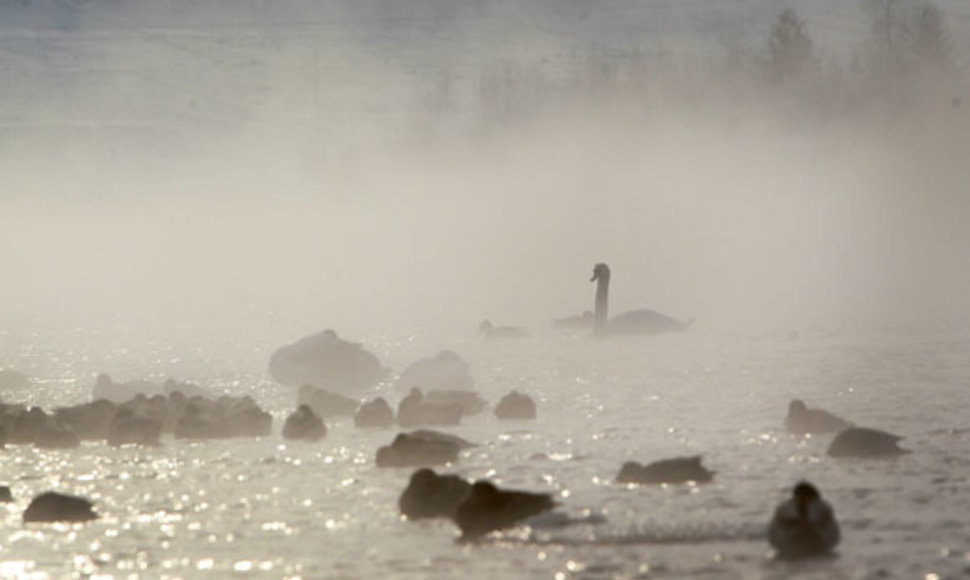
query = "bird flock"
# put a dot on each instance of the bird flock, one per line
(439, 395)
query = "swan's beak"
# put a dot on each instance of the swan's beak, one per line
(593, 279)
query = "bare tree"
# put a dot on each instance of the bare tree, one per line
(929, 40)
(789, 46)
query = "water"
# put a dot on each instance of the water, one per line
(267, 508)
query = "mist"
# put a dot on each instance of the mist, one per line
(371, 169)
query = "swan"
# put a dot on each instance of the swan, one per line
(865, 442)
(804, 525)
(632, 321)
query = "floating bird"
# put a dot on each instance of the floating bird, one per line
(326, 360)
(865, 442)
(804, 421)
(445, 370)
(414, 410)
(516, 405)
(488, 508)
(804, 525)
(374, 414)
(491, 331)
(304, 424)
(57, 507)
(630, 322)
(429, 495)
(411, 450)
(327, 404)
(471, 403)
(674, 470)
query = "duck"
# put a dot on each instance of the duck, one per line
(445, 370)
(641, 321)
(414, 410)
(490, 331)
(673, 470)
(304, 424)
(327, 404)
(516, 405)
(488, 508)
(865, 442)
(471, 402)
(376, 414)
(802, 420)
(58, 507)
(804, 525)
(132, 427)
(430, 495)
(410, 450)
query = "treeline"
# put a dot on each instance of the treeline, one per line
(908, 59)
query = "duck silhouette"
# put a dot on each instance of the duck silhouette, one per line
(641, 321)
(488, 508)
(802, 420)
(430, 495)
(674, 470)
(804, 525)
(490, 331)
(865, 442)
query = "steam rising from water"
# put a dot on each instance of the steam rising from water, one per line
(288, 176)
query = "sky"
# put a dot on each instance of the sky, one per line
(354, 166)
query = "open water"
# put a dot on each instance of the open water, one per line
(265, 508)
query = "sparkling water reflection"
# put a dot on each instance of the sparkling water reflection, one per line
(265, 508)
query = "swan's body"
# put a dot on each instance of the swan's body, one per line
(804, 525)
(631, 322)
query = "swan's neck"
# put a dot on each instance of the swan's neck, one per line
(601, 313)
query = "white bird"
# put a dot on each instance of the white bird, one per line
(804, 525)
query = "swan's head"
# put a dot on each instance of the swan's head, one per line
(485, 327)
(600, 272)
